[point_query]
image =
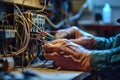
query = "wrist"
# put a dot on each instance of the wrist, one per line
(84, 61)
(87, 61)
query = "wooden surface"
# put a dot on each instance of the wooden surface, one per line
(54, 74)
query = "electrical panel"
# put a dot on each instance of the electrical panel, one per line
(22, 33)
(4, 34)
(39, 20)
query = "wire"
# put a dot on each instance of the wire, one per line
(53, 25)
(27, 33)
(43, 65)
(34, 24)
(79, 12)
(56, 26)
(44, 6)
(40, 30)
(18, 21)
(19, 38)
(23, 17)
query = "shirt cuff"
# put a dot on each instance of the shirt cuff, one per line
(99, 59)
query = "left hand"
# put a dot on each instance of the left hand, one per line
(86, 42)
(68, 55)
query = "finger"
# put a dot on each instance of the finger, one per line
(57, 35)
(75, 41)
(48, 48)
(59, 41)
(61, 34)
(55, 46)
(51, 56)
(81, 41)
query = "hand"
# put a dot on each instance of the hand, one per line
(71, 33)
(77, 36)
(86, 42)
(68, 55)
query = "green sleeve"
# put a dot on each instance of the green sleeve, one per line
(107, 58)
(107, 43)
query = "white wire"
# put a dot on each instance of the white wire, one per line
(27, 33)
(53, 25)
(34, 24)
(39, 28)
(23, 28)
(20, 23)
(44, 6)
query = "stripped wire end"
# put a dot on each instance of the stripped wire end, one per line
(47, 35)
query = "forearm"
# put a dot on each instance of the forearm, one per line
(105, 58)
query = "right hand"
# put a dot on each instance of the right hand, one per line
(86, 42)
(68, 55)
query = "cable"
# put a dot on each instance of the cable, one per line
(22, 17)
(23, 32)
(79, 12)
(34, 24)
(19, 38)
(53, 25)
(40, 30)
(18, 21)
(27, 33)
(44, 6)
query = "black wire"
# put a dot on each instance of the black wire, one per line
(43, 65)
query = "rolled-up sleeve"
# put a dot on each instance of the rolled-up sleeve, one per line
(108, 55)
(107, 43)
